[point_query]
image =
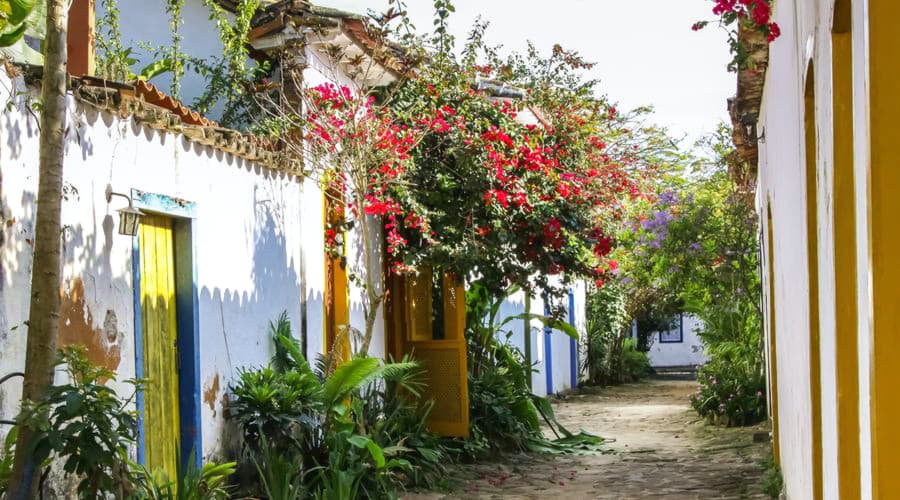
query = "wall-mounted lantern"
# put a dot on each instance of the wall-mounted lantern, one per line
(128, 217)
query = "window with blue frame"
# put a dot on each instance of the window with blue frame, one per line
(675, 334)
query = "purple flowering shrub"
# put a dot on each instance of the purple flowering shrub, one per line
(693, 248)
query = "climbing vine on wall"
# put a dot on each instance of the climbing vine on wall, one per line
(112, 58)
(174, 8)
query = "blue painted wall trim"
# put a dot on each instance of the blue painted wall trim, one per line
(138, 344)
(163, 204)
(548, 350)
(573, 344)
(187, 310)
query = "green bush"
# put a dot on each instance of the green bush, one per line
(6, 460)
(773, 483)
(207, 483)
(607, 328)
(502, 415)
(279, 406)
(635, 363)
(730, 395)
(86, 425)
(612, 356)
(356, 432)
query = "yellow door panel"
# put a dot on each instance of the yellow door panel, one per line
(443, 360)
(420, 307)
(159, 331)
(454, 309)
(446, 379)
(337, 287)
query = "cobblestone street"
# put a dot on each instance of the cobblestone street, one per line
(659, 449)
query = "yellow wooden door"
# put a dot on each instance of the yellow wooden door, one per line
(442, 356)
(337, 286)
(159, 331)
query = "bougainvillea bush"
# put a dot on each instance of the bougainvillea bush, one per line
(521, 171)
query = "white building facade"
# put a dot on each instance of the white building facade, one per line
(827, 198)
(679, 347)
(246, 237)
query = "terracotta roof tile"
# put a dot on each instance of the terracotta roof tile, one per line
(148, 92)
(147, 105)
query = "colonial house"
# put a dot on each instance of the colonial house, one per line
(828, 199)
(677, 348)
(231, 236)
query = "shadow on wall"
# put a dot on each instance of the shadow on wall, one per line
(96, 306)
(234, 326)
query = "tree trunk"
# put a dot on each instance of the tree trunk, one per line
(43, 318)
(373, 294)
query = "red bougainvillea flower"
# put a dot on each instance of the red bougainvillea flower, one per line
(757, 12)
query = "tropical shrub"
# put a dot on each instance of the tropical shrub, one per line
(773, 484)
(207, 483)
(635, 363)
(354, 431)
(505, 414)
(6, 459)
(612, 356)
(280, 473)
(86, 425)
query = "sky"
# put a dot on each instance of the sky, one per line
(645, 50)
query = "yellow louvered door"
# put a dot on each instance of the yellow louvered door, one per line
(435, 335)
(159, 331)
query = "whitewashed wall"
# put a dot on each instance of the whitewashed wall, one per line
(258, 234)
(688, 352)
(560, 346)
(805, 40)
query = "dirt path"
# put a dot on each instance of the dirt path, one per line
(661, 450)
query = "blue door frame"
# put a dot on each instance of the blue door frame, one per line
(187, 319)
(573, 344)
(548, 350)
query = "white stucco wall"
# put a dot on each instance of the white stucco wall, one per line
(688, 352)
(560, 346)
(806, 41)
(259, 250)
(248, 232)
(861, 157)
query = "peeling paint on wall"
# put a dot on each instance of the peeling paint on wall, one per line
(76, 327)
(210, 391)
